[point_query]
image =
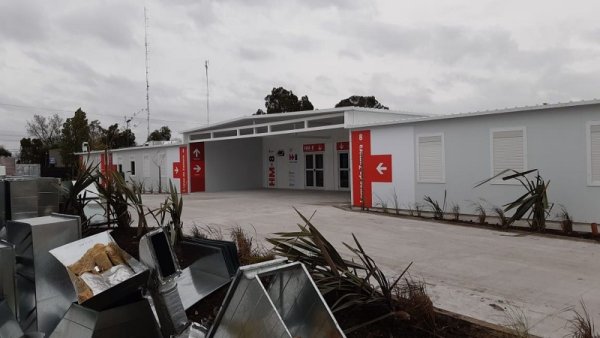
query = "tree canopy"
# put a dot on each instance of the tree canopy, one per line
(47, 130)
(75, 131)
(32, 150)
(361, 101)
(282, 100)
(114, 138)
(162, 134)
(4, 152)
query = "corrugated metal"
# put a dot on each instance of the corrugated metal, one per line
(431, 167)
(595, 152)
(508, 150)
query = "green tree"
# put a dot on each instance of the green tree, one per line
(162, 134)
(282, 100)
(4, 152)
(361, 101)
(75, 131)
(114, 138)
(32, 150)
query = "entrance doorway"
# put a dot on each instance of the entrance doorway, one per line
(344, 170)
(314, 170)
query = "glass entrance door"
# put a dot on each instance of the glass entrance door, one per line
(344, 177)
(314, 170)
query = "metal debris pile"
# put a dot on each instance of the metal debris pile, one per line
(56, 284)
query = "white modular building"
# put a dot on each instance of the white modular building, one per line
(390, 158)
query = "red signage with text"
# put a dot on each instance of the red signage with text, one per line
(309, 148)
(367, 168)
(180, 170)
(197, 166)
(342, 146)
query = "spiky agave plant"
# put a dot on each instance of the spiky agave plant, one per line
(533, 204)
(73, 197)
(345, 284)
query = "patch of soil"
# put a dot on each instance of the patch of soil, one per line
(489, 226)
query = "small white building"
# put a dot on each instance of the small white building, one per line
(152, 164)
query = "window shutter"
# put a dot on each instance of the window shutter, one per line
(595, 153)
(431, 163)
(508, 151)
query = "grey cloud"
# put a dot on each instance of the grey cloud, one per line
(23, 21)
(254, 54)
(111, 24)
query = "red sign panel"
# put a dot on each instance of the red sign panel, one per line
(183, 177)
(180, 170)
(367, 168)
(342, 146)
(197, 166)
(310, 148)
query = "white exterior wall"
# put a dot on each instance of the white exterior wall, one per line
(157, 156)
(398, 141)
(291, 174)
(556, 144)
(233, 164)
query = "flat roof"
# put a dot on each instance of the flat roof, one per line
(266, 118)
(539, 107)
(131, 148)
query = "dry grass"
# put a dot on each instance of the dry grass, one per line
(582, 325)
(517, 322)
(207, 232)
(249, 251)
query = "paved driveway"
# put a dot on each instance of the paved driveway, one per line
(468, 270)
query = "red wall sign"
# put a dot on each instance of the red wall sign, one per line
(180, 170)
(342, 146)
(197, 166)
(367, 168)
(310, 148)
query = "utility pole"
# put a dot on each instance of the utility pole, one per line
(147, 82)
(207, 96)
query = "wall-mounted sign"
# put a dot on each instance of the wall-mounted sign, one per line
(367, 168)
(342, 146)
(271, 175)
(310, 148)
(280, 153)
(197, 167)
(180, 170)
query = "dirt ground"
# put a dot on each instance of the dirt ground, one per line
(480, 273)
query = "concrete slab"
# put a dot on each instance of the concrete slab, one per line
(474, 272)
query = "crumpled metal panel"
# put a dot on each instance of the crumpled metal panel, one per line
(68, 254)
(8, 288)
(206, 275)
(48, 195)
(9, 327)
(290, 305)
(131, 320)
(44, 289)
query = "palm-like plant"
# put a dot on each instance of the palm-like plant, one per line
(346, 284)
(72, 193)
(533, 204)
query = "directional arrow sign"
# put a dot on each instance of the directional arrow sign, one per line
(177, 170)
(197, 168)
(380, 168)
(196, 152)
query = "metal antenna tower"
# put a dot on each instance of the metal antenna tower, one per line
(207, 97)
(147, 82)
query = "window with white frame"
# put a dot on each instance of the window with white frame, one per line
(508, 150)
(430, 158)
(593, 132)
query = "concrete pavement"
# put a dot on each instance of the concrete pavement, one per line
(471, 271)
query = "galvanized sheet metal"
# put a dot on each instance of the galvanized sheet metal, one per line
(45, 292)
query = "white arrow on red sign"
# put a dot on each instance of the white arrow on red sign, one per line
(197, 168)
(176, 170)
(380, 168)
(196, 152)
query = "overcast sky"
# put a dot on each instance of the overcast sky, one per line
(422, 56)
